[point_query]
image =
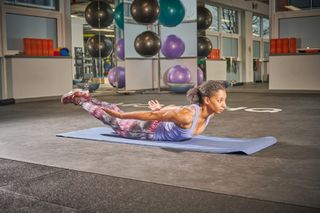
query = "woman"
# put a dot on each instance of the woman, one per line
(160, 124)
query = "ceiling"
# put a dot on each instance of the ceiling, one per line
(78, 7)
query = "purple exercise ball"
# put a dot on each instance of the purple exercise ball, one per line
(120, 49)
(199, 76)
(179, 74)
(120, 71)
(173, 47)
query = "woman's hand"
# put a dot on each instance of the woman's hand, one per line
(113, 113)
(154, 105)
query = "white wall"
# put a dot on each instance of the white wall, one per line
(247, 50)
(306, 29)
(294, 72)
(304, 14)
(77, 37)
(38, 77)
(65, 7)
(143, 73)
(1, 34)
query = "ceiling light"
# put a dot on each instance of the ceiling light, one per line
(290, 7)
(102, 30)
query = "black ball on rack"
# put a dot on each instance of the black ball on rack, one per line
(145, 11)
(99, 46)
(99, 11)
(204, 46)
(147, 44)
(204, 18)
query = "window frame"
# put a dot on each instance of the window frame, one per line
(222, 35)
(31, 5)
(220, 19)
(262, 18)
(218, 15)
(260, 38)
(260, 25)
(29, 11)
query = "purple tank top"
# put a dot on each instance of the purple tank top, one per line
(169, 131)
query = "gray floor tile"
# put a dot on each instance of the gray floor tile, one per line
(98, 193)
(13, 202)
(15, 171)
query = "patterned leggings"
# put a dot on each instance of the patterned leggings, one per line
(128, 128)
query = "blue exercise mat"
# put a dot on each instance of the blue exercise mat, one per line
(198, 143)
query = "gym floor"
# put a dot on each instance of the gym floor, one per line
(40, 172)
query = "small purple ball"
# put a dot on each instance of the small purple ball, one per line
(199, 76)
(112, 77)
(120, 49)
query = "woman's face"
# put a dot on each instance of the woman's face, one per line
(217, 102)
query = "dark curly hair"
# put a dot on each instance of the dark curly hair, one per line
(206, 89)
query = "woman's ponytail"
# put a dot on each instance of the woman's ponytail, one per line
(206, 89)
(194, 95)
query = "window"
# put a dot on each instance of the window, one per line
(265, 28)
(265, 49)
(42, 4)
(260, 31)
(315, 3)
(256, 49)
(126, 9)
(214, 41)
(256, 26)
(230, 47)
(229, 21)
(215, 20)
(260, 27)
(22, 26)
(300, 4)
(291, 5)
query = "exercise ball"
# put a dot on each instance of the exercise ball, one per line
(180, 88)
(112, 77)
(94, 15)
(204, 18)
(171, 12)
(179, 74)
(145, 11)
(204, 46)
(120, 49)
(173, 47)
(199, 76)
(99, 46)
(147, 44)
(118, 16)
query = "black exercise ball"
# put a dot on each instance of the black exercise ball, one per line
(99, 46)
(147, 44)
(145, 11)
(204, 18)
(204, 46)
(94, 15)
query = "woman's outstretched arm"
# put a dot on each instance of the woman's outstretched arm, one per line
(182, 116)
